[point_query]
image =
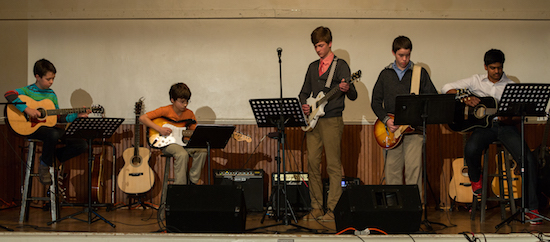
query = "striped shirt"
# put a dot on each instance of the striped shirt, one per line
(37, 94)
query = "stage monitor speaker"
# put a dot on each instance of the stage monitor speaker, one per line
(205, 208)
(252, 182)
(392, 208)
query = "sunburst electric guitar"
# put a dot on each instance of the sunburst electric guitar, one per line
(387, 139)
(24, 125)
(179, 134)
(318, 103)
(136, 176)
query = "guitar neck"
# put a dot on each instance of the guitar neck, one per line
(332, 92)
(65, 111)
(137, 130)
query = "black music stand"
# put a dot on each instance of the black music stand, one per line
(90, 129)
(425, 109)
(523, 99)
(210, 137)
(280, 113)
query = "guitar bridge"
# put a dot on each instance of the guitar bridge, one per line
(136, 174)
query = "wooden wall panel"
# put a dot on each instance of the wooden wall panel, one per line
(361, 157)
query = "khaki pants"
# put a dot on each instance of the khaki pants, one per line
(408, 156)
(181, 158)
(327, 134)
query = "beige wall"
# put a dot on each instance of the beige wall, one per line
(114, 53)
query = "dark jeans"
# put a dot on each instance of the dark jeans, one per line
(480, 140)
(50, 136)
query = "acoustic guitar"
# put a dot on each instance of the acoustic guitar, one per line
(467, 118)
(318, 103)
(460, 187)
(24, 125)
(385, 138)
(136, 176)
(179, 134)
(516, 179)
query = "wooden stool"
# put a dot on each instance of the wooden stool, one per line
(504, 171)
(27, 186)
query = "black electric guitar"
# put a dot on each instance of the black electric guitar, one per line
(467, 118)
(318, 103)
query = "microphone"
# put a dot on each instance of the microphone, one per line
(279, 51)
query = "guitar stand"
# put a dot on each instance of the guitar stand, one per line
(526, 100)
(91, 128)
(139, 203)
(280, 112)
(425, 109)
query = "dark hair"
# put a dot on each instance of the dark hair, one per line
(321, 34)
(493, 56)
(180, 90)
(42, 66)
(401, 42)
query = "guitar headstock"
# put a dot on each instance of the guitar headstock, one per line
(241, 137)
(355, 76)
(138, 107)
(462, 93)
(97, 109)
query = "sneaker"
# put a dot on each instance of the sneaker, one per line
(328, 217)
(314, 215)
(532, 218)
(44, 174)
(477, 186)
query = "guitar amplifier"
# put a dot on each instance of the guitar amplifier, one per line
(251, 181)
(346, 182)
(297, 190)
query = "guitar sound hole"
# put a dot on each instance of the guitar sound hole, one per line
(136, 161)
(42, 112)
(479, 111)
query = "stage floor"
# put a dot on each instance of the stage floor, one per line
(145, 221)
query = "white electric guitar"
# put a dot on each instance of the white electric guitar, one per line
(318, 103)
(178, 135)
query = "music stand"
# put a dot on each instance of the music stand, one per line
(90, 129)
(425, 109)
(210, 137)
(523, 99)
(280, 113)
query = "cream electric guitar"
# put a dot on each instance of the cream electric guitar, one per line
(318, 103)
(178, 135)
(136, 176)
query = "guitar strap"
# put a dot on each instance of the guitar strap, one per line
(415, 80)
(331, 73)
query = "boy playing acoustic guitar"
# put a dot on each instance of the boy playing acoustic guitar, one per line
(44, 72)
(177, 113)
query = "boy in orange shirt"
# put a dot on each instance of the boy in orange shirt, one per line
(177, 111)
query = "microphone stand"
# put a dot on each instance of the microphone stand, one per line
(281, 137)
